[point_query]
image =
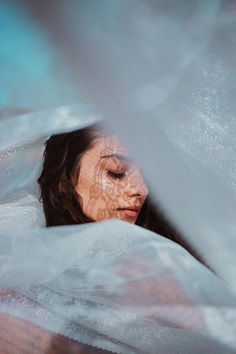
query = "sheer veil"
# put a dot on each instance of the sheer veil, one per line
(113, 285)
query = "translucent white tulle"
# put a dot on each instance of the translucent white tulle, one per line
(110, 284)
(163, 76)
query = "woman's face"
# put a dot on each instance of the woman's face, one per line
(109, 185)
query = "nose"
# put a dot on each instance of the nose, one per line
(136, 186)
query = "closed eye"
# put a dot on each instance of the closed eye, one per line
(116, 175)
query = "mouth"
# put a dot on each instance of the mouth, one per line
(131, 211)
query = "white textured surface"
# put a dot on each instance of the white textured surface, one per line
(163, 76)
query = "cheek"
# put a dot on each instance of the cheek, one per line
(111, 196)
(115, 190)
(105, 185)
(95, 191)
(109, 188)
(103, 200)
(87, 188)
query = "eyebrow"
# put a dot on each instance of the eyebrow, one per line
(118, 156)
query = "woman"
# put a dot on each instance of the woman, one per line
(88, 176)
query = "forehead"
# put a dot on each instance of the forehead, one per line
(106, 145)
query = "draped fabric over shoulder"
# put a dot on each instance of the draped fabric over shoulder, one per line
(111, 286)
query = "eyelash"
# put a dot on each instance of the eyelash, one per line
(116, 175)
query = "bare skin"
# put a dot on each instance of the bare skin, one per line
(21, 337)
(109, 184)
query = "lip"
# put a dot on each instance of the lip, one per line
(131, 211)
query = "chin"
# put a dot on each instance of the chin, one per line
(131, 221)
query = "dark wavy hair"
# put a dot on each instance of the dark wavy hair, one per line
(62, 204)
